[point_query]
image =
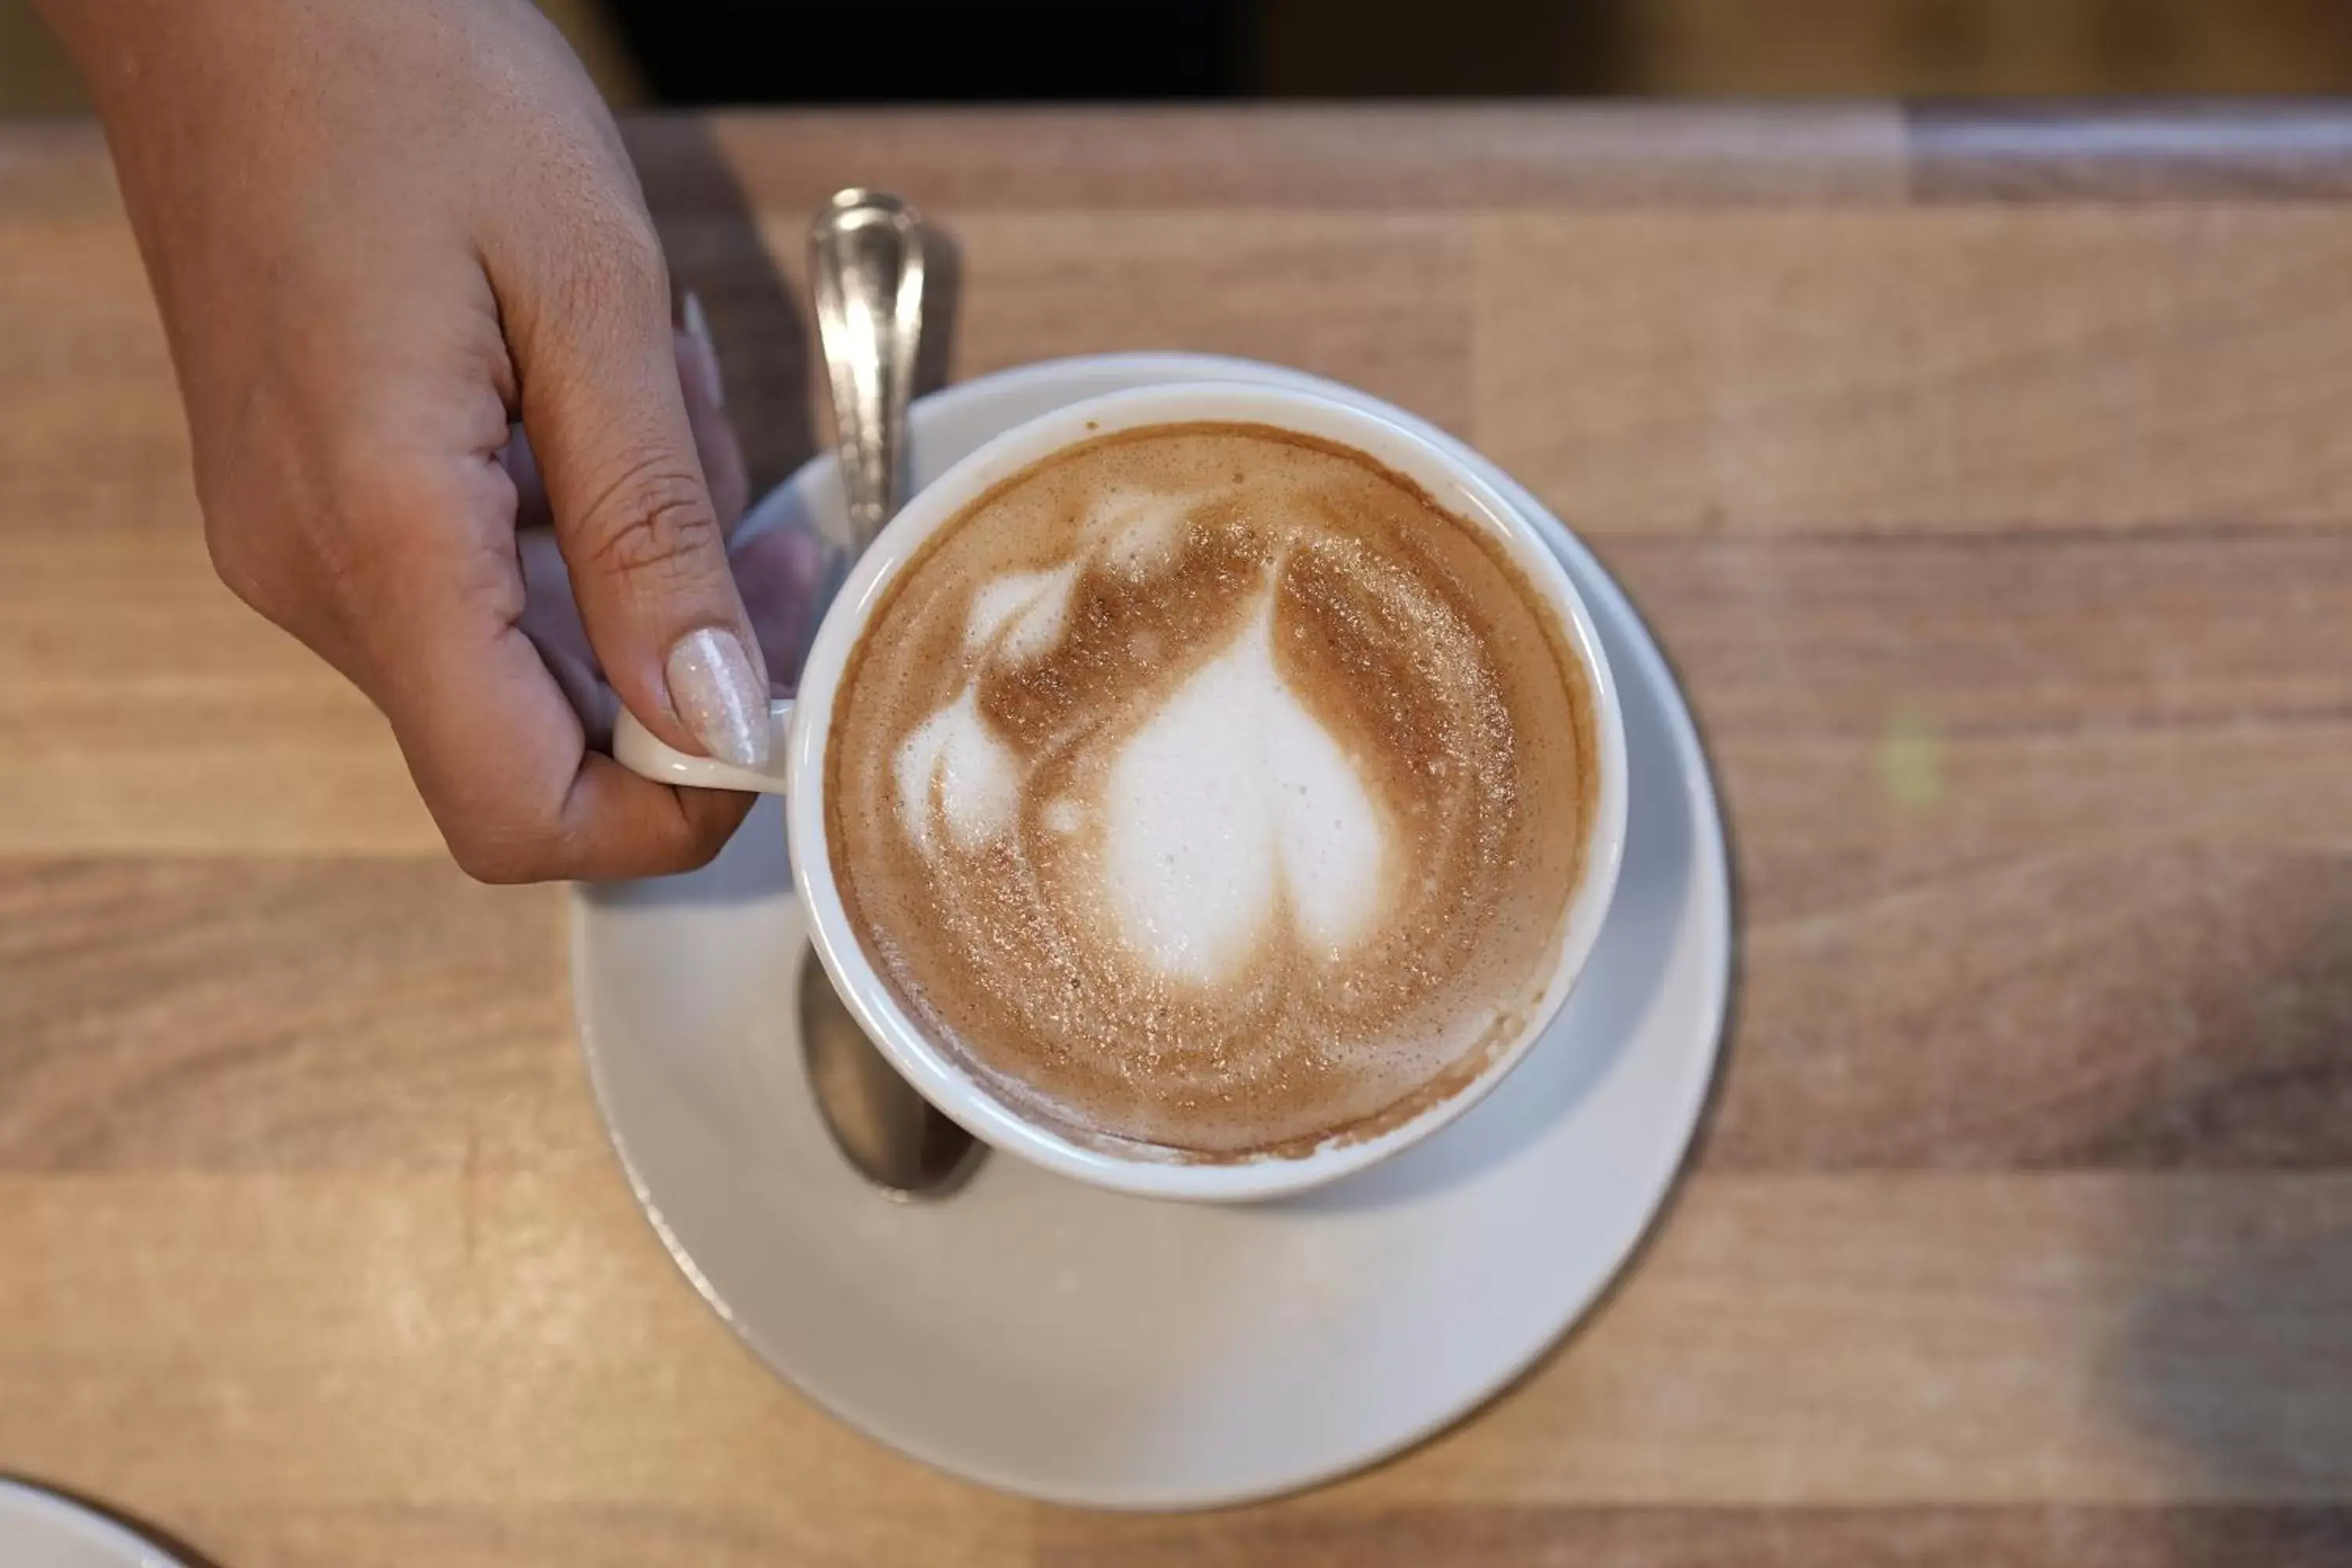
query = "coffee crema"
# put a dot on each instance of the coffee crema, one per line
(1210, 788)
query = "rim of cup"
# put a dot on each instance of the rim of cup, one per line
(936, 1073)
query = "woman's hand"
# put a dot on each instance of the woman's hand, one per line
(413, 299)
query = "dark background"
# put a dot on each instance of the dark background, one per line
(743, 51)
(703, 52)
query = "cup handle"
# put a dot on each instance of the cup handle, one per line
(635, 748)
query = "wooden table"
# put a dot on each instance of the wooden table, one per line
(1988, 477)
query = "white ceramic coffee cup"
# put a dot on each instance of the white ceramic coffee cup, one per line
(801, 723)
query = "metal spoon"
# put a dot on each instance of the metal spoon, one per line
(865, 267)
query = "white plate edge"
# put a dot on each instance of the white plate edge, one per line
(1711, 864)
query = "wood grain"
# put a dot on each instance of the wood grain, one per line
(490, 1339)
(2024, 632)
(1720, 1538)
(1381, 301)
(148, 710)
(390, 1015)
(2165, 153)
(2163, 1005)
(1448, 159)
(1831, 826)
(1981, 367)
(1982, 471)
(594, 1535)
(1533, 1537)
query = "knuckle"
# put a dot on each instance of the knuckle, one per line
(655, 522)
(687, 843)
(281, 576)
(616, 266)
(705, 836)
(269, 577)
(374, 485)
(242, 566)
(402, 529)
(502, 825)
(503, 858)
(637, 259)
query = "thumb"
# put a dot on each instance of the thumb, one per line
(597, 376)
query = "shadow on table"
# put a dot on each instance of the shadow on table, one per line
(180, 1551)
(710, 233)
(2231, 1344)
(758, 301)
(2234, 1352)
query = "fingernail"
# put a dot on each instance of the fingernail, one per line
(720, 696)
(697, 327)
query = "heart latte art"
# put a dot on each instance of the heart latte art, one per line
(1210, 788)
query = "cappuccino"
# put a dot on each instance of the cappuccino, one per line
(1210, 790)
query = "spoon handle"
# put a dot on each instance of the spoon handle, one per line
(865, 267)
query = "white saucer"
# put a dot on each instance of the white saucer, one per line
(1049, 1338)
(40, 1528)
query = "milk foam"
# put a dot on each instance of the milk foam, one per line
(1233, 805)
(1139, 531)
(1226, 809)
(1019, 615)
(1230, 805)
(951, 770)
